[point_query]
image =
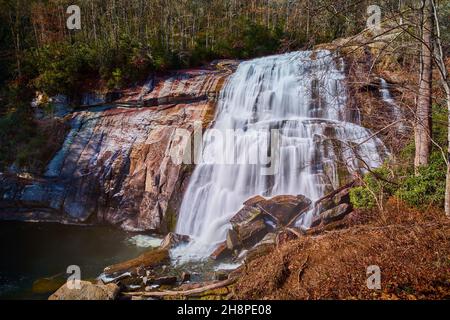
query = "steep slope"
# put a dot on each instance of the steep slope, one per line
(411, 249)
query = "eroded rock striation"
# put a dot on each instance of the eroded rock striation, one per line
(117, 163)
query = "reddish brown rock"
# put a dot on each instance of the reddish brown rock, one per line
(282, 209)
(233, 241)
(245, 216)
(221, 252)
(254, 201)
(172, 240)
(249, 234)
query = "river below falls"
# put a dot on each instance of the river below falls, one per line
(32, 251)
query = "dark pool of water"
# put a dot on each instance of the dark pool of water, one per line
(30, 251)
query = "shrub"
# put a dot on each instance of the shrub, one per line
(377, 187)
(23, 141)
(116, 79)
(421, 190)
(428, 187)
(361, 198)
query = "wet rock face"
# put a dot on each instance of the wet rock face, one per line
(186, 85)
(116, 164)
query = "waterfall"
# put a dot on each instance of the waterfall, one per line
(303, 96)
(396, 111)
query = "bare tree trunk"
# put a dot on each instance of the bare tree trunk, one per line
(423, 113)
(439, 56)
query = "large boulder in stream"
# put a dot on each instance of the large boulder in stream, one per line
(282, 209)
(172, 240)
(248, 226)
(261, 221)
(257, 218)
(121, 163)
(222, 251)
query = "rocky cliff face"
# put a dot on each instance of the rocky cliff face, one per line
(115, 165)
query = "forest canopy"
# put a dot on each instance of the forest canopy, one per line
(122, 41)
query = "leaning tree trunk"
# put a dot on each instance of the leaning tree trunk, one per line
(423, 114)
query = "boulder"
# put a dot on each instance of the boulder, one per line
(233, 242)
(260, 215)
(262, 247)
(269, 239)
(316, 221)
(87, 291)
(336, 213)
(172, 240)
(251, 233)
(324, 205)
(248, 228)
(221, 252)
(150, 259)
(334, 198)
(254, 201)
(342, 196)
(245, 216)
(332, 207)
(282, 209)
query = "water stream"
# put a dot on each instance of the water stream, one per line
(33, 251)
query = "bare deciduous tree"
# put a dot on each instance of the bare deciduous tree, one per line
(423, 112)
(443, 73)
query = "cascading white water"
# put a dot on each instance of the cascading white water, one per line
(397, 112)
(302, 95)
